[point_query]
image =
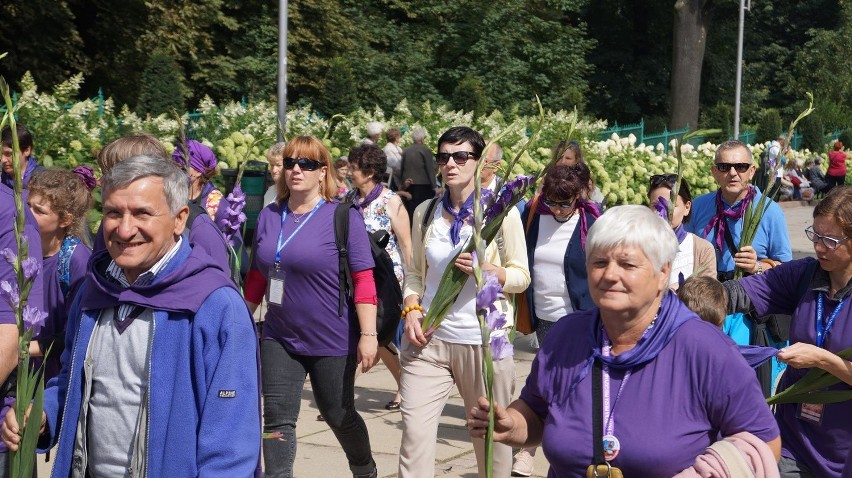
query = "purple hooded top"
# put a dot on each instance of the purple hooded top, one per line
(688, 386)
(822, 446)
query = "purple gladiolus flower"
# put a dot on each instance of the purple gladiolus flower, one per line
(9, 293)
(490, 292)
(234, 217)
(34, 318)
(501, 347)
(495, 319)
(32, 267)
(9, 255)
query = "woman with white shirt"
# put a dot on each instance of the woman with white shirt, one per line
(393, 151)
(432, 362)
(555, 235)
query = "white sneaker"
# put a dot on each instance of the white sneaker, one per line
(522, 464)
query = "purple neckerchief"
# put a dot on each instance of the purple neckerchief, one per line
(756, 355)
(360, 205)
(458, 217)
(661, 205)
(582, 206)
(672, 314)
(719, 221)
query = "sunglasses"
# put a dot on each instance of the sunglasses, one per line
(562, 204)
(460, 157)
(829, 242)
(658, 180)
(305, 164)
(725, 167)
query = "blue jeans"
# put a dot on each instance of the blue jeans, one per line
(333, 383)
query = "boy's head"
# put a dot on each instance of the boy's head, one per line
(137, 144)
(25, 143)
(706, 297)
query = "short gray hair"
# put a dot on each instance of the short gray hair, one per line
(728, 146)
(418, 134)
(495, 151)
(634, 225)
(175, 181)
(374, 128)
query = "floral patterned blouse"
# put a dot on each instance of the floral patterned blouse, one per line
(377, 216)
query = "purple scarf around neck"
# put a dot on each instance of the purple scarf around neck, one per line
(582, 206)
(719, 221)
(662, 208)
(460, 217)
(360, 205)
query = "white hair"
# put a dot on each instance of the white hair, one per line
(374, 128)
(634, 225)
(418, 134)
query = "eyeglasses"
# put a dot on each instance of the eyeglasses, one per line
(829, 242)
(562, 204)
(460, 157)
(725, 167)
(305, 164)
(658, 180)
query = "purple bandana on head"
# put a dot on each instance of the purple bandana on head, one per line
(719, 221)
(201, 158)
(360, 205)
(661, 205)
(460, 217)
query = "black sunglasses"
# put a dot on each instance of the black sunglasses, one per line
(460, 157)
(305, 164)
(563, 205)
(658, 180)
(725, 167)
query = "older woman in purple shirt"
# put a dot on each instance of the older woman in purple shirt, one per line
(668, 385)
(816, 438)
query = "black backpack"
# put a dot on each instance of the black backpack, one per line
(387, 287)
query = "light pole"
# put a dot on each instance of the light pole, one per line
(738, 93)
(282, 67)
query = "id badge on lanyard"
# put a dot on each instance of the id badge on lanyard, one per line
(275, 286)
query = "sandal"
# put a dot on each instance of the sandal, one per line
(392, 405)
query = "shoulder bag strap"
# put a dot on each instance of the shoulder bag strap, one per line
(427, 218)
(597, 413)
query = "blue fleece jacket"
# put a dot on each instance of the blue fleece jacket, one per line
(204, 409)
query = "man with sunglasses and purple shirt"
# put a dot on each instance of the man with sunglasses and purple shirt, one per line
(718, 217)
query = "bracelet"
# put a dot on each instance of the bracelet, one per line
(370, 334)
(759, 268)
(408, 309)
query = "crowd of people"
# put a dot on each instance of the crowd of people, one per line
(661, 333)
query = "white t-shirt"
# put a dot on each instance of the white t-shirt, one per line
(684, 262)
(460, 325)
(550, 290)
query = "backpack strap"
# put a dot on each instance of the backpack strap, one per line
(430, 211)
(195, 210)
(341, 238)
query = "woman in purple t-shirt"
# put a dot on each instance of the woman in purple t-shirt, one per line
(815, 437)
(309, 330)
(640, 379)
(60, 201)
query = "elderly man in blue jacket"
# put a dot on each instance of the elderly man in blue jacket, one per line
(160, 369)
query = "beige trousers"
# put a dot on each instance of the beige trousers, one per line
(428, 375)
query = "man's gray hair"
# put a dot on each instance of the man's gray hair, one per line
(418, 134)
(633, 225)
(495, 152)
(175, 181)
(729, 145)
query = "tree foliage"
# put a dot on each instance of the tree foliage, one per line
(612, 59)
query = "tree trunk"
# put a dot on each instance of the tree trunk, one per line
(691, 22)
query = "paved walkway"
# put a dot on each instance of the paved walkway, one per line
(320, 455)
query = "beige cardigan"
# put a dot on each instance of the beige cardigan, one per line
(512, 257)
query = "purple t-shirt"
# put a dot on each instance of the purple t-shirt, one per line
(668, 412)
(7, 240)
(307, 322)
(822, 446)
(57, 306)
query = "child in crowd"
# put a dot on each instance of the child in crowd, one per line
(60, 201)
(706, 297)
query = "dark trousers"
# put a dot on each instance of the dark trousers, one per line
(333, 382)
(834, 181)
